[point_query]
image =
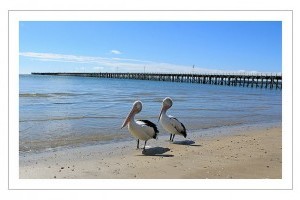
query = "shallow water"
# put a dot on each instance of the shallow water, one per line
(60, 111)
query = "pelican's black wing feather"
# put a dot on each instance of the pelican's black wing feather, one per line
(183, 131)
(151, 124)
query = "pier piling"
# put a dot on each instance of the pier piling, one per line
(257, 81)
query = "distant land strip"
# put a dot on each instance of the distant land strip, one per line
(250, 80)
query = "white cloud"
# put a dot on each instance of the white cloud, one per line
(115, 52)
(124, 65)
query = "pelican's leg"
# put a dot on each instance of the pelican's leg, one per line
(173, 137)
(138, 141)
(145, 145)
(170, 137)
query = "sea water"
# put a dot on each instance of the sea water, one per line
(65, 111)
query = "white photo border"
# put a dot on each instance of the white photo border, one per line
(285, 16)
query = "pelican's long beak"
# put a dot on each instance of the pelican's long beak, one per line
(162, 109)
(129, 116)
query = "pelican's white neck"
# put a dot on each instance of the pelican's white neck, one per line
(163, 113)
(132, 118)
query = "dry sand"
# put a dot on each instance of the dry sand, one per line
(254, 154)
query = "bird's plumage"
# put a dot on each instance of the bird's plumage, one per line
(148, 123)
(171, 124)
(179, 126)
(140, 129)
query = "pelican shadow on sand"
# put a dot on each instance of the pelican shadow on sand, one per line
(187, 143)
(157, 151)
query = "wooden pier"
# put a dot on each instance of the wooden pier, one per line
(254, 81)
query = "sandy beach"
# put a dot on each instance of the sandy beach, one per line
(244, 154)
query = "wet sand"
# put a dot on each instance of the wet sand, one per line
(247, 154)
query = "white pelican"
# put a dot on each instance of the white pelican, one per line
(140, 129)
(170, 123)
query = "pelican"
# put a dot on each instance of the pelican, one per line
(170, 123)
(140, 129)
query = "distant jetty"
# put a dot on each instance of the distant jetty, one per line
(254, 81)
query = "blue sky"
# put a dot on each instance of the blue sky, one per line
(212, 47)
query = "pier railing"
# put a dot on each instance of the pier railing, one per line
(250, 80)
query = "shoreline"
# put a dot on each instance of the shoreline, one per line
(241, 154)
(192, 134)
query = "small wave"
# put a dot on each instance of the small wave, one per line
(62, 103)
(63, 94)
(219, 125)
(34, 95)
(69, 141)
(55, 94)
(214, 109)
(144, 94)
(68, 118)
